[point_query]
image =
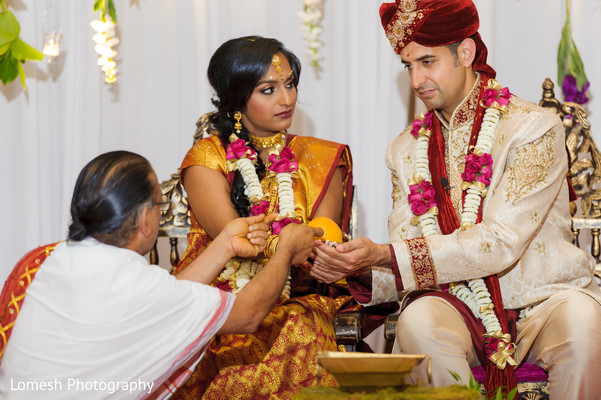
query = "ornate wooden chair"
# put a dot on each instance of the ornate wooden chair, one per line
(175, 225)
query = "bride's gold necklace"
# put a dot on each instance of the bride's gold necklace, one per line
(260, 143)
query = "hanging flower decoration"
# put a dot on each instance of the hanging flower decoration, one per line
(105, 38)
(311, 17)
(13, 51)
(570, 68)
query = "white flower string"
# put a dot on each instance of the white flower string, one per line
(311, 17)
(239, 272)
(283, 165)
(252, 185)
(282, 168)
(105, 38)
(476, 180)
(285, 195)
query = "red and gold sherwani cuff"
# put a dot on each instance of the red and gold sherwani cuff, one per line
(422, 263)
(395, 270)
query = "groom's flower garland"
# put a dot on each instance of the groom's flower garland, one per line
(476, 178)
(282, 167)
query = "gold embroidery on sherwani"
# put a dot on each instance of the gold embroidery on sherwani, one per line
(485, 247)
(404, 232)
(534, 218)
(422, 264)
(382, 291)
(501, 139)
(408, 160)
(529, 167)
(397, 193)
(540, 247)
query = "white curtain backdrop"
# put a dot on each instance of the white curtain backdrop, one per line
(360, 95)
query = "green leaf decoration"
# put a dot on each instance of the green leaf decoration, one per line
(9, 27)
(512, 394)
(13, 51)
(112, 11)
(8, 68)
(577, 67)
(22, 51)
(562, 52)
(106, 7)
(4, 49)
(569, 61)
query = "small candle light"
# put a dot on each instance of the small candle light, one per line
(52, 47)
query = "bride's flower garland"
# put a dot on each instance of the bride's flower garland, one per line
(282, 167)
(476, 178)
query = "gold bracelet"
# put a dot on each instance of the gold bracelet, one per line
(272, 245)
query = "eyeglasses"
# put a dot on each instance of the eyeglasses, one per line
(161, 204)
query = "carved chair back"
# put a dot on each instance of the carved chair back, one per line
(584, 160)
(175, 216)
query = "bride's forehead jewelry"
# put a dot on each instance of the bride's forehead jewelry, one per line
(277, 63)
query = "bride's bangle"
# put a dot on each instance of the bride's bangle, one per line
(272, 245)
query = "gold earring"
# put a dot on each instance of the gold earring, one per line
(238, 125)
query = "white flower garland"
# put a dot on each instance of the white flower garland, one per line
(476, 296)
(252, 185)
(285, 195)
(240, 271)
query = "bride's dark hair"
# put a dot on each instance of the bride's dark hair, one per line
(234, 70)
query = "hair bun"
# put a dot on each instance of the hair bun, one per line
(77, 231)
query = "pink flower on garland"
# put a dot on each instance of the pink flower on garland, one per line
(478, 168)
(284, 162)
(277, 226)
(428, 119)
(502, 97)
(238, 149)
(259, 208)
(422, 197)
(418, 123)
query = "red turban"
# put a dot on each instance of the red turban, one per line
(434, 23)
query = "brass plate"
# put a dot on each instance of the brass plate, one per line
(368, 369)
